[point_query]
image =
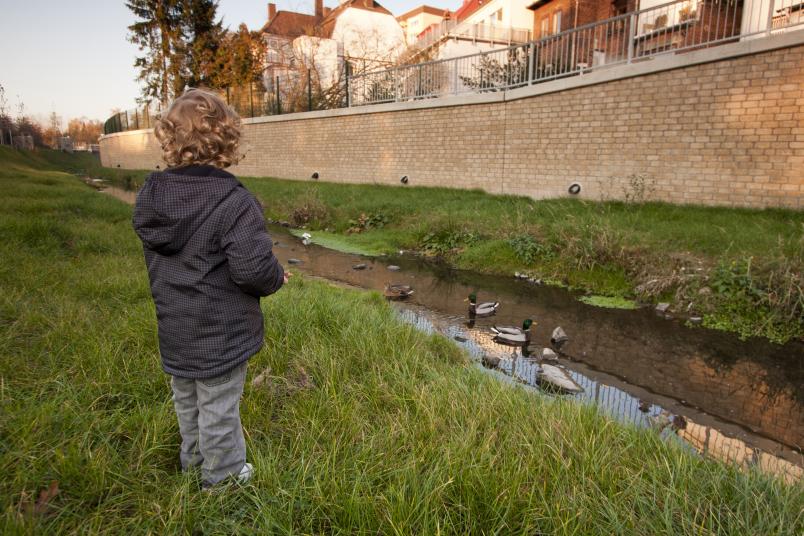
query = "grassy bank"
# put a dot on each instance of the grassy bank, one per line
(364, 427)
(741, 270)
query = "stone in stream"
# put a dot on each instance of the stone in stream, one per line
(490, 361)
(549, 355)
(696, 320)
(361, 266)
(294, 261)
(559, 338)
(662, 307)
(394, 267)
(557, 378)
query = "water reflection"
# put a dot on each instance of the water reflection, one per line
(613, 401)
(751, 391)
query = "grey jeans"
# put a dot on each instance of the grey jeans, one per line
(209, 422)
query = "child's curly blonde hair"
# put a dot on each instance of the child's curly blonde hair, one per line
(199, 128)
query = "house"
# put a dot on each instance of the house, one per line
(420, 18)
(360, 32)
(550, 17)
(496, 13)
(477, 26)
(658, 26)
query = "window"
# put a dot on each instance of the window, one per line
(556, 22)
(499, 15)
(545, 27)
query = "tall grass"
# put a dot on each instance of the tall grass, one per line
(365, 426)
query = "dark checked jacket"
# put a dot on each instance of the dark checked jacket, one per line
(209, 261)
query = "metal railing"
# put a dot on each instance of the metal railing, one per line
(133, 119)
(677, 26)
(292, 91)
(475, 32)
(674, 27)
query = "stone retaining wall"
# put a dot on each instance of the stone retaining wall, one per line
(722, 126)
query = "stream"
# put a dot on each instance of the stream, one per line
(741, 401)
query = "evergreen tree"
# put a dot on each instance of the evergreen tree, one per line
(159, 34)
(240, 59)
(203, 36)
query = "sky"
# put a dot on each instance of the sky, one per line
(73, 56)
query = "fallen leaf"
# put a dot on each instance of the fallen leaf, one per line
(43, 502)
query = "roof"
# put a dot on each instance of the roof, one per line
(327, 26)
(468, 7)
(290, 24)
(423, 9)
(537, 4)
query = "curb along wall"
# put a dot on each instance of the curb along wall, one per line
(722, 126)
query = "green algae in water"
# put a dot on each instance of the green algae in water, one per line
(609, 302)
(339, 242)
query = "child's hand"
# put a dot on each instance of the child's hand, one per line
(287, 276)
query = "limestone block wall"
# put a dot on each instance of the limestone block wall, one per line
(720, 126)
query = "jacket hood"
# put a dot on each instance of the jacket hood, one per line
(173, 204)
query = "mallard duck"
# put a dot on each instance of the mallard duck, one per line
(481, 309)
(397, 292)
(512, 335)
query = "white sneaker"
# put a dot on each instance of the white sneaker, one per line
(242, 477)
(245, 474)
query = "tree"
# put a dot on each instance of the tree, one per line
(26, 127)
(84, 131)
(52, 132)
(240, 59)
(493, 75)
(203, 36)
(6, 123)
(158, 33)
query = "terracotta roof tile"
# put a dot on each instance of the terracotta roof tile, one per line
(327, 26)
(469, 7)
(290, 24)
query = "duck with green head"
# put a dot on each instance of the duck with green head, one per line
(512, 335)
(481, 309)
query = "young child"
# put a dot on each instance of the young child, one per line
(209, 261)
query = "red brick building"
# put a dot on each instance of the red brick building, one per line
(553, 16)
(659, 27)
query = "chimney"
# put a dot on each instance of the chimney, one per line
(319, 9)
(271, 11)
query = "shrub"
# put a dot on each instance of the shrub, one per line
(366, 222)
(447, 240)
(311, 209)
(528, 249)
